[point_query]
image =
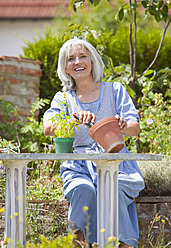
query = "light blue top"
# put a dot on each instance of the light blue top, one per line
(123, 103)
(113, 99)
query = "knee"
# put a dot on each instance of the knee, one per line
(123, 198)
(86, 191)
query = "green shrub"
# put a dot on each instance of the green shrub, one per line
(61, 242)
(147, 43)
(44, 187)
(11, 124)
(113, 44)
(48, 218)
(32, 136)
(45, 48)
(27, 136)
(156, 126)
(157, 177)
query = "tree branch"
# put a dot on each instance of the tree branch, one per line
(130, 46)
(135, 45)
(158, 50)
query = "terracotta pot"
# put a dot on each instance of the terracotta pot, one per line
(107, 133)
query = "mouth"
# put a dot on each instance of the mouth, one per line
(79, 69)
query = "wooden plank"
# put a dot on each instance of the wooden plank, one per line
(153, 199)
(78, 156)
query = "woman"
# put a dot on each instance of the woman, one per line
(80, 69)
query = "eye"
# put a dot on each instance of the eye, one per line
(71, 59)
(83, 56)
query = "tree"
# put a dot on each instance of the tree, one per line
(157, 8)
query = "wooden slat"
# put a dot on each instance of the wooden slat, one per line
(153, 199)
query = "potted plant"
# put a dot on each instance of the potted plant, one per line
(64, 129)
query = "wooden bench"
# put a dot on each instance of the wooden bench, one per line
(107, 181)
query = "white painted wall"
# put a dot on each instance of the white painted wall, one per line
(12, 34)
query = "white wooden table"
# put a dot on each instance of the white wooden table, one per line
(107, 190)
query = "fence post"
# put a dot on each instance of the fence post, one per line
(15, 202)
(107, 200)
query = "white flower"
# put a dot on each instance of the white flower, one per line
(149, 121)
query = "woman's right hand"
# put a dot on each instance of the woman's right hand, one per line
(49, 128)
(86, 116)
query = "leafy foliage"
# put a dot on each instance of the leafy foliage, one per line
(160, 240)
(11, 124)
(61, 241)
(46, 49)
(111, 43)
(154, 110)
(26, 136)
(32, 135)
(155, 125)
(64, 125)
(158, 9)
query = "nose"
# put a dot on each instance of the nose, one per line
(77, 60)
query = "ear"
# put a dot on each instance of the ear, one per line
(66, 69)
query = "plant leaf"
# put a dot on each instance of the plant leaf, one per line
(119, 15)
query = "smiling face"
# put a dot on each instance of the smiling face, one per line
(78, 63)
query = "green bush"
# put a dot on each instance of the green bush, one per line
(48, 218)
(27, 136)
(45, 48)
(61, 242)
(148, 40)
(113, 44)
(32, 133)
(45, 187)
(156, 126)
(157, 177)
(11, 124)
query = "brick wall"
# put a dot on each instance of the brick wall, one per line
(19, 83)
(147, 209)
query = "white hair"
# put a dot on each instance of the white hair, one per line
(68, 82)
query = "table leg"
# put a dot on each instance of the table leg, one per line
(107, 200)
(15, 202)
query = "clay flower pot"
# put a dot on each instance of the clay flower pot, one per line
(107, 133)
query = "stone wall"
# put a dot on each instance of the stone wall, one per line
(19, 83)
(147, 208)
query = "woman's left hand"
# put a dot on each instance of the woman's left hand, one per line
(128, 129)
(122, 123)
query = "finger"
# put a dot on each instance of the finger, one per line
(122, 123)
(117, 116)
(86, 115)
(90, 117)
(93, 118)
(81, 116)
(119, 119)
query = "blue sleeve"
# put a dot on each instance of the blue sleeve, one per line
(55, 107)
(124, 104)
